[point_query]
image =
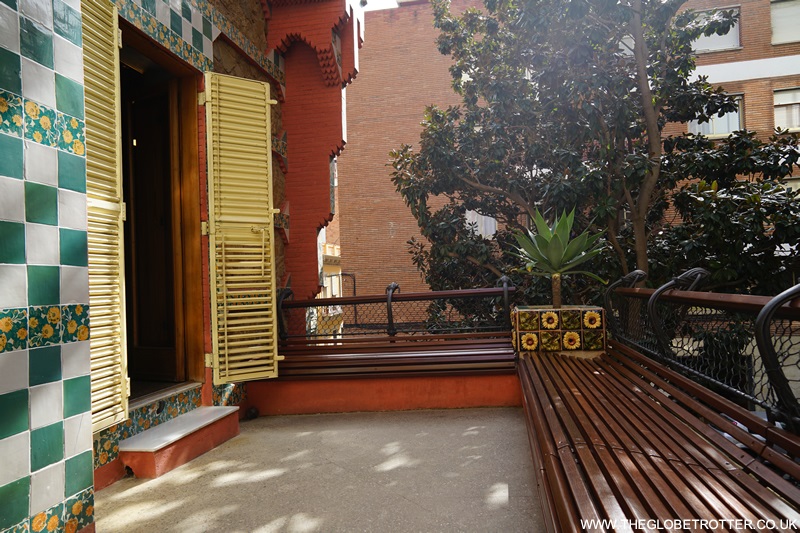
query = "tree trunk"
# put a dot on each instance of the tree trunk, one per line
(555, 280)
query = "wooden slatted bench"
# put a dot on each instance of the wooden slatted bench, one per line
(402, 355)
(622, 438)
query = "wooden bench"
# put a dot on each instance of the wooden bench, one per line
(402, 355)
(622, 438)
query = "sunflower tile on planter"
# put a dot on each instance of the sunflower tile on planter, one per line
(528, 342)
(551, 341)
(571, 319)
(574, 330)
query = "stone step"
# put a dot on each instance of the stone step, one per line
(167, 446)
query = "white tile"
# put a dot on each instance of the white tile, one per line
(41, 163)
(162, 12)
(9, 28)
(39, 10)
(13, 372)
(215, 32)
(15, 452)
(41, 244)
(47, 403)
(38, 83)
(74, 285)
(75, 359)
(197, 19)
(77, 435)
(14, 280)
(71, 209)
(74, 4)
(12, 199)
(68, 59)
(208, 48)
(187, 30)
(175, 5)
(47, 488)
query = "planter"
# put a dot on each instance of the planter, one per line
(573, 330)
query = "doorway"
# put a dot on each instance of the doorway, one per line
(156, 182)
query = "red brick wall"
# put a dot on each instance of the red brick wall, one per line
(401, 73)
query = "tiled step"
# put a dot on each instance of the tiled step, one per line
(169, 445)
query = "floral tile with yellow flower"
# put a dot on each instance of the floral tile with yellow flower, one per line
(44, 326)
(13, 329)
(575, 330)
(11, 113)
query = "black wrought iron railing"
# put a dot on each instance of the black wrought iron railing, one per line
(397, 314)
(746, 348)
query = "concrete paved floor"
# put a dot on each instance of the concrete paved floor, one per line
(438, 470)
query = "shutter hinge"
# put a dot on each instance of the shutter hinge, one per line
(124, 211)
(127, 387)
(209, 360)
(119, 38)
(203, 228)
(201, 98)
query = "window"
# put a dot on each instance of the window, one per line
(787, 109)
(484, 226)
(719, 126)
(785, 21)
(715, 42)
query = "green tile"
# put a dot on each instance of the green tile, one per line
(36, 42)
(67, 22)
(12, 242)
(186, 10)
(69, 96)
(207, 27)
(78, 473)
(197, 39)
(14, 407)
(44, 365)
(149, 6)
(41, 203)
(15, 497)
(71, 172)
(176, 23)
(10, 156)
(10, 73)
(77, 396)
(44, 285)
(47, 446)
(10, 3)
(74, 248)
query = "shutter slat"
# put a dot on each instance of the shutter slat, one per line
(244, 329)
(104, 212)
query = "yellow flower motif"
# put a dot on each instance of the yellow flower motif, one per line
(71, 526)
(77, 147)
(32, 109)
(53, 315)
(47, 331)
(107, 445)
(572, 341)
(550, 320)
(3, 105)
(103, 460)
(83, 333)
(77, 507)
(3, 341)
(72, 326)
(67, 136)
(79, 309)
(17, 120)
(89, 510)
(5, 324)
(529, 342)
(52, 524)
(37, 136)
(22, 333)
(39, 522)
(592, 319)
(73, 122)
(44, 122)
(33, 323)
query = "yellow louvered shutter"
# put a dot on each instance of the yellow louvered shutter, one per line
(242, 258)
(105, 213)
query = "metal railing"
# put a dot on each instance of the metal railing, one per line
(397, 314)
(746, 348)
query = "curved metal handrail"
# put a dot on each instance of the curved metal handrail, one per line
(628, 280)
(688, 281)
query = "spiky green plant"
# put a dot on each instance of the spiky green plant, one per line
(551, 252)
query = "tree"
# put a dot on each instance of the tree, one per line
(563, 106)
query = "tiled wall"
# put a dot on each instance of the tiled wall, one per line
(45, 427)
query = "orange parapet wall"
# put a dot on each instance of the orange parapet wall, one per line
(383, 394)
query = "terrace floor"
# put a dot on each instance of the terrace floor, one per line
(433, 470)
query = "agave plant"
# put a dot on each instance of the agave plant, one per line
(551, 252)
